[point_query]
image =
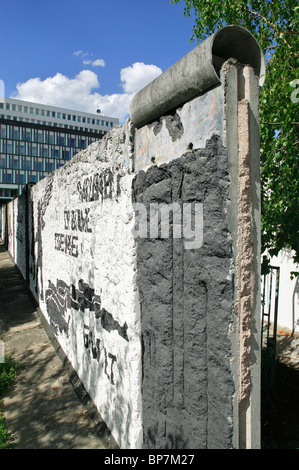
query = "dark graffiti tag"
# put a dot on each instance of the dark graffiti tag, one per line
(77, 220)
(61, 297)
(67, 244)
(94, 345)
(97, 187)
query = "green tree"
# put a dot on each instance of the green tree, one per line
(275, 26)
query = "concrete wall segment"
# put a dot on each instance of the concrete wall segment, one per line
(152, 326)
(196, 73)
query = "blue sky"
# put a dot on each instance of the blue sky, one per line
(89, 54)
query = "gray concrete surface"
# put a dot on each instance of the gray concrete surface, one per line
(43, 409)
(196, 72)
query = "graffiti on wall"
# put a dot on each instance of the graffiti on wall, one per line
(61, 297)
(42, 205)
(98, 187)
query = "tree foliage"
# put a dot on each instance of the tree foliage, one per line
(275, 26)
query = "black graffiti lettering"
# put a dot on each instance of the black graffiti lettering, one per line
(66, 220)
(80, 299)
(77, 220)
(113, 360)
(94, 347)
(97, 187)
(66, 244)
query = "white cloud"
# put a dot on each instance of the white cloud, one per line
(137, 76)
(80, 93)
(88, 61)
(98, 63)
(95, 63)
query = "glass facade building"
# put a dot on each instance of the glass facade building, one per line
(36, 140)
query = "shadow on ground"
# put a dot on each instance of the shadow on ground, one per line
(42, 410)
(280, 396)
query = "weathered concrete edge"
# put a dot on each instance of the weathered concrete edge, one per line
(240, 83)
(196, 72)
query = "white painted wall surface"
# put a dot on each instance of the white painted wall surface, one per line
(288, 299)
(106, 262)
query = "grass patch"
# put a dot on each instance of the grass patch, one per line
(8, 370)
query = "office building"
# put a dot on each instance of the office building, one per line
(37, 139)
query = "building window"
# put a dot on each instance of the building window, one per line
(3, 131)
(16, 133)
(21, 177)
(9, 146)
(40, 136)
(9, 176)
(51, 166)
(3, 161)
(53, 114)
(39, 165)
(28, 135)
(34, 150)
(51, 137)
(28, 164)
(22, 148)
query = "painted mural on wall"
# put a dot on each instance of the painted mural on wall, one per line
(64, 300)
(61, 298)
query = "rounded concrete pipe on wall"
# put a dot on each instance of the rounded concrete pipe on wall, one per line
(196, 72)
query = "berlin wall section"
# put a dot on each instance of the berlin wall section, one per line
(143, 254)
(82, 272)
(186, 284)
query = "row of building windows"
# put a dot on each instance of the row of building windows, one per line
(55, 114)
(21, 177)
(8, 193)
(94, 130)
(37, 150)
(32, 163)
(45, 136)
